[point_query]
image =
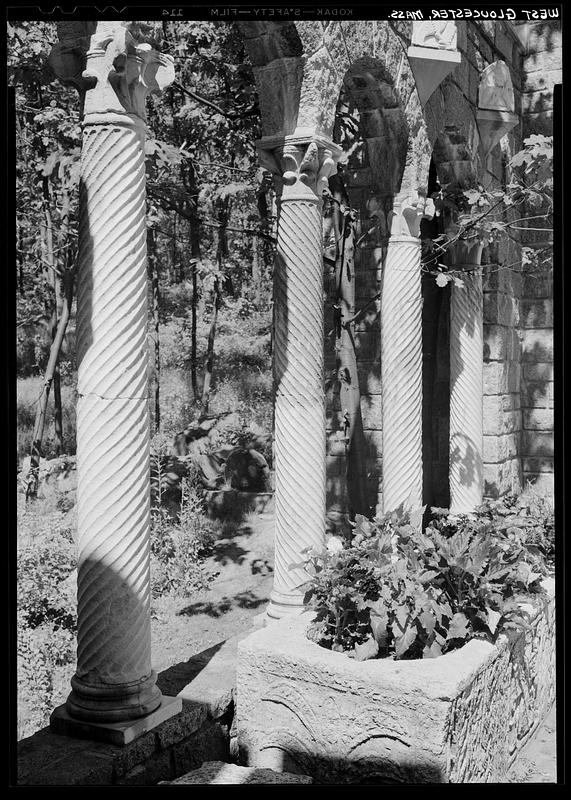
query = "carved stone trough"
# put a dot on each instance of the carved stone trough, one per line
(459, 718)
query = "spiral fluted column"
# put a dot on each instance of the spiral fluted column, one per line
(298, 369)
(466, 380)
(401, 357)
(114, 680)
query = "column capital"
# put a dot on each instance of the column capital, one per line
(407, 213)
(463, 253)
(114, 63)
(301, 164)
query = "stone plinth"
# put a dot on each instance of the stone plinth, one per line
(459, 718)
(219, 772)
(120, 733)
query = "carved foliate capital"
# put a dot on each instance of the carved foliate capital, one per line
(301, 168)
(465, 253)
(115, 62)
(407, 214)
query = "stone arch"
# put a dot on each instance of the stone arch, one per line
(300, 69)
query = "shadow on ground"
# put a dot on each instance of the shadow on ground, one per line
(219, 607)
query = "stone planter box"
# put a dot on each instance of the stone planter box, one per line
(460, 718)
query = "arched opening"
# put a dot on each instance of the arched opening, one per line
(373, 132)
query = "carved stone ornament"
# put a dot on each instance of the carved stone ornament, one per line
(496, 106)
(301, 167)
(496, 89)
(115, 68)
(407, 213)
(443, 35)
(463, 253)
(432, 55)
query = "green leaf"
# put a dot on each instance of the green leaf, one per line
(402, 643)
(428, 575)
(492, 619)
(459, 626)
(432, 651)
(402, 616)
(369, 649)
(427, 621)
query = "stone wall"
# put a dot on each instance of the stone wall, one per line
(542, 70)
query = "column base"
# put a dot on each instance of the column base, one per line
(284, 605)
(119, 733)
(107, 702)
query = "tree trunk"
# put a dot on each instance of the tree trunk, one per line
(154, 278)
(49, 254)
(346, 358)
(195, 259)
(33, 474)
(222, 253)
(210, 352)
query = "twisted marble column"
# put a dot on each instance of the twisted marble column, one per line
(401, 356)
(466, 379)
(114, 680)
(298, 369)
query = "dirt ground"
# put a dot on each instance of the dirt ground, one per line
(181, 629)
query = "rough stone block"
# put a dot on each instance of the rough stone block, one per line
(210, 743)
(500, 478)
(542, 482)
(459, 718)
(369, 377)
(538, 286)
(537, 345)
(371, 412)
(537, 394)
(368, 345)
(335, 443)
(537, 443)
(537, 465)
(219, 772)
(374, 439)
(543, 79)
(538, 372)
(497, 279)
(538, 419)
(538, 102)
(335, 466)
(500, 309)
(499, 448)
(500, 343)
(501, 378)
(497, 421)
(540, 122)
(159, 767)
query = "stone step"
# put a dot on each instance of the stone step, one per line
(220, 772)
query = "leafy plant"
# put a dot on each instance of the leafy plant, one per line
(395, 590)
(179, 547)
